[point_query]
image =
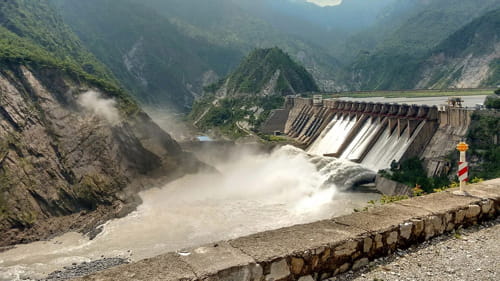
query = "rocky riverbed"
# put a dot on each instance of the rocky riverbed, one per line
(467, 254)
(85, 268)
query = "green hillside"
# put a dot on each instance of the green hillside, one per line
(33, 34)
(483, 137)
(247, 95)
(149, 55)
(39, 26)
(478, 39)
(233, 24)
(406, 64)
(434, 21)
(260, 67)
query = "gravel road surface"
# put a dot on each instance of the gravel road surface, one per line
(468, 254)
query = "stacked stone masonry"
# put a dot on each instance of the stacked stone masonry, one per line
(320, 250)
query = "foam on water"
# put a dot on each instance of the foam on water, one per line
(254, 192)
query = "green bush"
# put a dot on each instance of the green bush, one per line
(228, 111)
(412, 173)
(493, 102)
(481, 137)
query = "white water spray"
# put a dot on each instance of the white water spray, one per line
(378, 154)
(254, 192)
(336, 133)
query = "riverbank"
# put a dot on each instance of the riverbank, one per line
(316, 251)
(84, 268)
(287, 185)
(86, 222)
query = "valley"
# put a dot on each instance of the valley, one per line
(279, 134)
(205, 208)
(342, 54)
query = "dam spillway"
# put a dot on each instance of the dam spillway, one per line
(372, 134)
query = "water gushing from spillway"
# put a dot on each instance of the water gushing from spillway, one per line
(371, 143)
(389, 147)
(362, 140)
(254, 192)
(334, 136)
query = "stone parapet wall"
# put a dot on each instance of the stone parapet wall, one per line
(320, 250)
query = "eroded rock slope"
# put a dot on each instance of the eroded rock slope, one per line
(62, 154)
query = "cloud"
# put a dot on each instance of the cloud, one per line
(325, 3)
(104, 108)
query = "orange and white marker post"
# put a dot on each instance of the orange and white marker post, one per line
(463, 166)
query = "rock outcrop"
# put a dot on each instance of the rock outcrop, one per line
(60, 157)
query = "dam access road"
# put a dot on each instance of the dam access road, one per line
(470, 254)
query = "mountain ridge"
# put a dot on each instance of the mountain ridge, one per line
(149, 54)
(269, 71)
(395, 62)
(245, 97)
(70, 141)
(471, 56)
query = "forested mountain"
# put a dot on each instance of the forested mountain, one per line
(394, 51)
(70, 139)
(267, 71)
(469, 58)
(326, 26)
(166, 51)
(246, 97)
(150, 56)
(32, 31)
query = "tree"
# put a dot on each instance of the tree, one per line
(493, 101)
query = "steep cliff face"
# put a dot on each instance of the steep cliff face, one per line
(438, 57)
(469, 58)
(66, 147)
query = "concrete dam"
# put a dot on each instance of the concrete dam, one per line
(372, 134)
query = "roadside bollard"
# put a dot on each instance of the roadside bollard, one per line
(463, 166)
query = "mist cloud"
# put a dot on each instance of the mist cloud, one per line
(170, 122)
(253, 192)
(104, 108)
(325, 3)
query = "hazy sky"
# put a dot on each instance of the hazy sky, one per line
(324, 3)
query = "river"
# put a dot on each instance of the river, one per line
(254, 191)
